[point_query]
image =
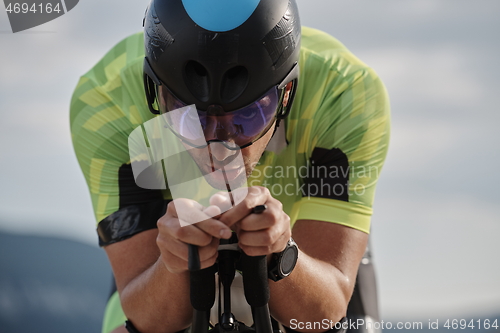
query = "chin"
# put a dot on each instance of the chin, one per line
(218, 182)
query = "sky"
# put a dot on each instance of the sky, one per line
(435, 222)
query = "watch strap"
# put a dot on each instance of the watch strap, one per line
(130, 327)
(274, 269)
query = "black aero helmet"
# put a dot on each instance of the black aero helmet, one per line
(222, 53)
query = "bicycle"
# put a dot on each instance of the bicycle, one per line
(256, 289)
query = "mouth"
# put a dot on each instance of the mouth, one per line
(226, 174)
(230, 165)
(228, 170)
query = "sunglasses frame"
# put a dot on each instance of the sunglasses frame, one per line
(152, 82)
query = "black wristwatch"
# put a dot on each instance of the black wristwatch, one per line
(131, 328)
(283, 263)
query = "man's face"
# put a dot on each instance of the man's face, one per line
(223, 168)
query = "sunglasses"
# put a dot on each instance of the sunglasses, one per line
(235, 129)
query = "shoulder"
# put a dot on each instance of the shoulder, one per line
(123, 55)
(120, 68)
(338, 99)
(111, 92)
(107, 105)
(324, 59)
(318, 41)
(331, 78)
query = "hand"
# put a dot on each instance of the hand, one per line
(172, 239)
(258, 234)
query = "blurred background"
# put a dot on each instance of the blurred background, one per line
(436, 219)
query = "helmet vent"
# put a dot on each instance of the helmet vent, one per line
(156, 38)
(282, 40)
(197, 80)
(234, 83)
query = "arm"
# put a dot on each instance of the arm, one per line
(322, 282)
(143, 283)
(350, 133)
(324, 277)
(151, 271)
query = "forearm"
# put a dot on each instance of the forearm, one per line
(158, 300)
(315, 291)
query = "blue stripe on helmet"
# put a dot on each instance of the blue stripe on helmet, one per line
(220, 15)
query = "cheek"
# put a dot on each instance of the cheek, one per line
(254, 152)
(264, 141)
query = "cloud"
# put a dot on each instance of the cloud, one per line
(430, 75)
(428, 250)
(422, 143)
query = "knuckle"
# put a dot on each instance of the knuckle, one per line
(160, 241)
(265, 191)
(275, 237)
(208, 262)
(214, 252)
(205, 241)
(161, 222)
(286, 237)
(210, 250)
(241, 193)
(278, 247)
(248, 205)
(253, 190)
(171, 209)
(267, 237)
(248, 250)
(272, 219)
(180, 233)
(213, 229)
(257, 190)
(285, 221)
(205, 253)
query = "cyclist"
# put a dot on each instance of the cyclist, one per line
(313, 159)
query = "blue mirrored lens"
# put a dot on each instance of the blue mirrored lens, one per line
(242, 126)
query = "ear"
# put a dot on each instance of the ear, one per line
(288, 90)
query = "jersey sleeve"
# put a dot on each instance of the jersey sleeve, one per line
(105, 109)
(348, 126)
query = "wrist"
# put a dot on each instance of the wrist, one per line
(281, 264)
(167, 269)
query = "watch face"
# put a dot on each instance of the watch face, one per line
(288, 260)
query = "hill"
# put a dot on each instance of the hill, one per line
(51, 285)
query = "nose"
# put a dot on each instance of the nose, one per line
(221, 152)
(220, 128)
